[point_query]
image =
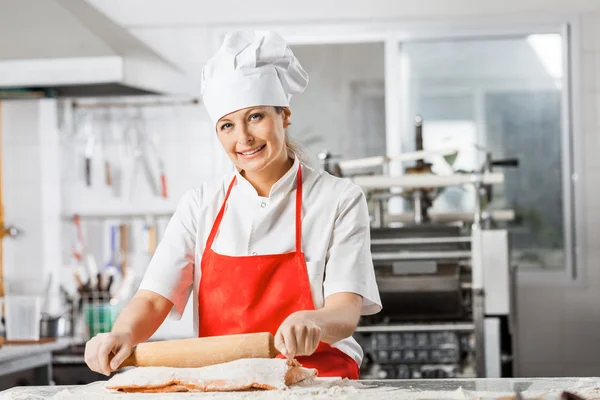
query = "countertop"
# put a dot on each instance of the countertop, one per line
(540, 388)
(10, 352)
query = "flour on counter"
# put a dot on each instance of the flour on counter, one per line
(319, 388)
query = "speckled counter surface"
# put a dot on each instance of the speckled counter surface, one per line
(542, 388)
(37, 357)
(10, 352)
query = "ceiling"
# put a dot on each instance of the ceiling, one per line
(180, 30)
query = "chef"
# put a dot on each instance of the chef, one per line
(275, 246)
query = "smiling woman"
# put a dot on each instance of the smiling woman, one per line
(255, 141)
(276, 246)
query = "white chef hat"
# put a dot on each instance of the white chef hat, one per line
(251, 68)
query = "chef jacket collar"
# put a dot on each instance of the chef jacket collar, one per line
(282, 187)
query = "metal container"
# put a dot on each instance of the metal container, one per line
(55, 327)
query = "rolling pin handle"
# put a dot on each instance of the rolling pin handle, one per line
(129, 361)
(273, 352)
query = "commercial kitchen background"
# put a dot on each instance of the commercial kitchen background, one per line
(349, 109)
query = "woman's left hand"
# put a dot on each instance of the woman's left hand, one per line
(298, 335)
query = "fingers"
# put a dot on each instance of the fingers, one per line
(298, 335)
(104, 350)
(121, 355)
(297, 340)
(280, 343)
(309, 336)
(290, 343)
(90, 358)
(285, 342)
(99, 349)
(309, 344)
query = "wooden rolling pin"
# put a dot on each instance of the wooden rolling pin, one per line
(200, 352)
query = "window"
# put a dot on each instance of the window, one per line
(343, 107)
(503, 95)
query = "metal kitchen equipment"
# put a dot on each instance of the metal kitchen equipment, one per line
(55, 326)
(447, 298)
(445, 278)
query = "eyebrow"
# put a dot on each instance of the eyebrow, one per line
(253, 110)
(250, 111)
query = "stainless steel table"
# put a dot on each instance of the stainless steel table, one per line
(406, 389)
(16, 358)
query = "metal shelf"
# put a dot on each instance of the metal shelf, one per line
(430, 240)
(466, 327)
(140, 215)
(424, 255)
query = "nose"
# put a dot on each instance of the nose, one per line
(244, 136)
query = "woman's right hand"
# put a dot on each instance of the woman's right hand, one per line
(98, 351)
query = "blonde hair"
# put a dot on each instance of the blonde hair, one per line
(293, 146)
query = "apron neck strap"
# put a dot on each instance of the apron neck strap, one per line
(299, 210)
(217, 223)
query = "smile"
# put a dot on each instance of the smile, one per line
(250, 152)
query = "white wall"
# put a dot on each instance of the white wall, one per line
(32, 192)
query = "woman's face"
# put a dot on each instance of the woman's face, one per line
(254, 137)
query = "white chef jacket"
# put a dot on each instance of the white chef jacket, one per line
(335, 238)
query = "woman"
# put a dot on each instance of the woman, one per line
(276, 247)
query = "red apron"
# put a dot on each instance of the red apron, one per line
(252, 294)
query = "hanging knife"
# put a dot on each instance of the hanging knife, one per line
(89, 151)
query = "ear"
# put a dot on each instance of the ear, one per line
(287, 120)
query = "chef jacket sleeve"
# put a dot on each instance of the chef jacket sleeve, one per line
(171, 270)
(349, 266)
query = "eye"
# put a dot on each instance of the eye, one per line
(226, 126)
(256, 117)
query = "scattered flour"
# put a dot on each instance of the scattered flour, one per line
(324, 389)
(319, 389)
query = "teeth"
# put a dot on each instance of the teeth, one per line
(252, 151)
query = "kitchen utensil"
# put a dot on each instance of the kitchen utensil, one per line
(113, 262)
(141, 157)
(54, 327)
(89, 152)
(111, 272)
(150, 237)
(83, 257)
(161, 164)
(109, 282)
(106, 128)
(200, 352)
(66, 296)
(22, 317)
(99, 313)
(124, 247)
(127, 275)
(78, 281)
(78, 247)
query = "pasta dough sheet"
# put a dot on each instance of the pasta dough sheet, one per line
(244, 374)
